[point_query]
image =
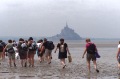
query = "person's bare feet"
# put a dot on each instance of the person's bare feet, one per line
(64, 66)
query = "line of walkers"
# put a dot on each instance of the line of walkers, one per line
(26, 50)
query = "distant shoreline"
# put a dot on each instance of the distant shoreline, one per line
(5, 38)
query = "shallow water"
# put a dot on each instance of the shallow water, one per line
(107, 65)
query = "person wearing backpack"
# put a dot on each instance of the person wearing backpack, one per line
(1, 51)
(39, 47)
(118, 55)
(63, 50)
(3, 44)
(91, 50)
(31, 51)
(48, 46)
(10, 53)
(22, 49)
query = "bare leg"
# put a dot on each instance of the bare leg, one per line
(0, 57)
(25, 62)
(63, 62)
(43, 57)
(119, 65)
(22, 62)
(95, 66)
(88, 64)
(40, 59)
(32, 60)
(14, 62)
(3, 56)
(10, 62)
(46, 57)
(29, 59)
(49, 59)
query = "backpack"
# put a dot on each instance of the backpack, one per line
(50, 45)
(39, 47)
(3, 43)
(32, 47)
(24, 47)
(1, 47)
(11, 50)
(91, 49)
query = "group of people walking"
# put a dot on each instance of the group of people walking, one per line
(28, 48)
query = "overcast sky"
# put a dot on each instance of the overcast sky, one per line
(89, 18)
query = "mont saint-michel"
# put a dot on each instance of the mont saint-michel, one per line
(67, 33)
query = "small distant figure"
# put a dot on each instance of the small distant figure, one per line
(91, 50)
(10, 53)
(63, 49)
(118, 55)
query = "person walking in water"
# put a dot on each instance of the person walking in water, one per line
(118, 55)
(39, 47)
(2, 44)
(91, 50)
(31, 51)
(22, 49)
(11, 52)
(47, 46)
(1, 50)
(63, 49)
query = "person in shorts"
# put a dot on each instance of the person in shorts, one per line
(47, 51)
(90, 49)
(22, 49)
(31, 51)
(3, 53)
(1, 49)
(118, 55)
(63, 49)
(11, 55)
(39, 47)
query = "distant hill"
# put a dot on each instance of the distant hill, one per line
(66, 33)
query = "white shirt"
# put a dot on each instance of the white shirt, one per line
(24, 45)
(39, 45)
(119, 46)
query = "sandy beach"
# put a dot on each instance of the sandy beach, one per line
(107, 65)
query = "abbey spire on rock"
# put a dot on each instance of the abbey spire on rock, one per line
(67, 33)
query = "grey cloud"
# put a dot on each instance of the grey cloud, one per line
(48, 17)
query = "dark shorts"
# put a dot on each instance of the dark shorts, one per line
(119, 60)
(41, 54)
(23, 55)
(91, 57)
(62, 55)
(31, 54)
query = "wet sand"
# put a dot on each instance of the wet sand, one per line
(107, 65)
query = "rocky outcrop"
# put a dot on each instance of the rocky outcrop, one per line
(66, 33)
